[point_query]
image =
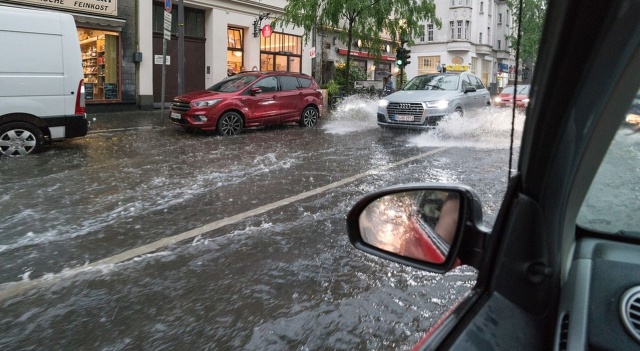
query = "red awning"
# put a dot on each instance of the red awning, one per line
(365, 55)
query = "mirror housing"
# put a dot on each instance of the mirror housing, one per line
(394, 223)
(255, 91)
(469, 89)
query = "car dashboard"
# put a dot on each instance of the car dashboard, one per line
(600, 301)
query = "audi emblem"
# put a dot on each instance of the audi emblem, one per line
(405, 106)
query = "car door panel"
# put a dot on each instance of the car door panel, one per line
(264, 105)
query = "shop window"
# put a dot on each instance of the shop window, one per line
(281, 52)
(235, 49)
(100, 63)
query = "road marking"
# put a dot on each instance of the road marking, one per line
(15, 288)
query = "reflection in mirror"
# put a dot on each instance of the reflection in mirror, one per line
(416, 224)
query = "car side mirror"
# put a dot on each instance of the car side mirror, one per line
(434, 227)
(469, 89)
(255, 91)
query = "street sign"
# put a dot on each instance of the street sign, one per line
(168, 5)
(167, 25)
(267, 31)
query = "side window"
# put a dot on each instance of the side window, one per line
(268, 84)
(465, 82)
(304, 82)
(288, 83)
(611, 205)
(478, 84)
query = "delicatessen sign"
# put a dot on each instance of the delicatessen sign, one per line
(101, 7)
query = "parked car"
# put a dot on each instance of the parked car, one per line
(505, 98)
(41, 80)
(560, 270)
(428, 98)
(250, 99)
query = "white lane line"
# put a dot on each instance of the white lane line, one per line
(10, 290)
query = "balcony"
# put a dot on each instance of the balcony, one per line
(502, 55)
(459, 46)
(484, 50)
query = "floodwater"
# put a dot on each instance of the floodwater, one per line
(283, 277)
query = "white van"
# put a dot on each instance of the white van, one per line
(41, 80)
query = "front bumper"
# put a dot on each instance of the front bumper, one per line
(192, 120)
(414, 115)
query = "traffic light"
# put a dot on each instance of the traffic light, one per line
(402, 57)
(405, 59)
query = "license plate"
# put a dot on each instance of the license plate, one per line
(175, 115)
(404, 118)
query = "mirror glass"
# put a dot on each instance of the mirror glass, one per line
(416, 224)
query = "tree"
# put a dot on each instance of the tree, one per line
(364, 20)
(533, 15)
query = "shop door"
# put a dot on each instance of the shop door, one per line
(194, 67)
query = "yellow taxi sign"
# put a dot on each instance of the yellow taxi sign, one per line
(457, 68)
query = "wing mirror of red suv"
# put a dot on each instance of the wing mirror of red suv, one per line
(255, 91)
(433, 227)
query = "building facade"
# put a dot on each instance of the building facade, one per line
(474, 37)
(122, 45)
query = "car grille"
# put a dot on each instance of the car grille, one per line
(414, 109)
(178, 105)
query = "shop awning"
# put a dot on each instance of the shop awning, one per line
(115, 24)
(365, 55)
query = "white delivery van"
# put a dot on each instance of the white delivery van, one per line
(41, 80)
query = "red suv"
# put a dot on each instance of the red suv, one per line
(249, 100)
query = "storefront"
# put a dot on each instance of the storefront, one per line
(281, 52)
(101, 32)
(101, 64)
(235, 49)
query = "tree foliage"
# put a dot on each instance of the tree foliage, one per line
(365, 20)
(533, 15)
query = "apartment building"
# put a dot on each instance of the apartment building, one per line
(473, 36)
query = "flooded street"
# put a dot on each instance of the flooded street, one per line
(229, 243)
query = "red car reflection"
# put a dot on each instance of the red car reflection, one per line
(505, 98)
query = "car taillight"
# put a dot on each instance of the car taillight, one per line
(80, 110)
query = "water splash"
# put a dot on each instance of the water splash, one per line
(353, 114)
(489, 128)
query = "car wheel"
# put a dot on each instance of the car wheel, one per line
(230, 124)
(309, 117)
(20, 139)
(458, 111)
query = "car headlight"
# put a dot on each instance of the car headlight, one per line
(497, 99)
(205, 103)
(383, 103)
(438, 104)
(526, 101)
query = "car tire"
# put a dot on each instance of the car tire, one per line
(230, 124)
(20, 139)
(309, 117)
(458, 111)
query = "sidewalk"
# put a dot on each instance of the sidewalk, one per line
(126, 120)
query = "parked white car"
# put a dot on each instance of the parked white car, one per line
(427, 98)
